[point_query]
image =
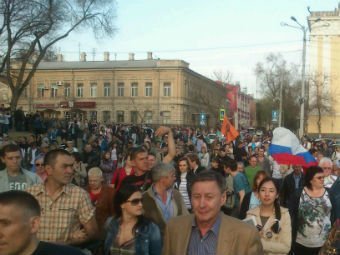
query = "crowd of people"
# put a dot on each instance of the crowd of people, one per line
(119, 189)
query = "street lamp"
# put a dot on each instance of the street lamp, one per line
(303, 72)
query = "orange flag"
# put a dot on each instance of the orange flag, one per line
(229, 131)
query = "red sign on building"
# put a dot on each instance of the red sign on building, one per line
(84, 105)
(48, 106)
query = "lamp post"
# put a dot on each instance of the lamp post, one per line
(303, 72)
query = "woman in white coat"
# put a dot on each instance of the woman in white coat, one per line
(272, 221)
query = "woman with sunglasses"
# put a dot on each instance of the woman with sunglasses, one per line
(129, 232)
(272, 221)
(312, 211)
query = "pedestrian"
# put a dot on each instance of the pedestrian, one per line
(207, 230)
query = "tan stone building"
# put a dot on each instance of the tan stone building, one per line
(324, 70)
(147, 91)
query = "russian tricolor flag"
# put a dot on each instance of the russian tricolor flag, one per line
(286, 149)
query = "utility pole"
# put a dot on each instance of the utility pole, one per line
(302, 96)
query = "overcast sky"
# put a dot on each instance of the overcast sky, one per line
(211, 35)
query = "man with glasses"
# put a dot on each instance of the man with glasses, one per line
(327, 166)
(14, 177)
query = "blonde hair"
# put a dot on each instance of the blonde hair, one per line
(95, 171)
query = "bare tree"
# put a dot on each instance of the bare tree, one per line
(225, 77)
(321, 100)
(29, 28)
(273, 75)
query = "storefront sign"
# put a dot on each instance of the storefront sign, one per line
(49, 106)
(84, 105)
(72, 104)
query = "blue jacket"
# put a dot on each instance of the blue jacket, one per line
(148, 238)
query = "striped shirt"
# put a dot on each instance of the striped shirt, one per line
(184, 190)
(204, 245)
(60, 217)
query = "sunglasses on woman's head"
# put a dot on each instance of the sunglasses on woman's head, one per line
(135, 201)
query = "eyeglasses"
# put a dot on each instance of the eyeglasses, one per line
(38, 164)
(135, 201)
(320, 177)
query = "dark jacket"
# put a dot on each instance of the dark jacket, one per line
(148, 238)
(335, 196)
(245, 205)
(288, 189)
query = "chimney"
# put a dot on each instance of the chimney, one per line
(60, 57)
(83, 57)
(106, 56)
(131, 56)
(149, 54)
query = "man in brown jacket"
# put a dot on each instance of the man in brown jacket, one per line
(208, 231)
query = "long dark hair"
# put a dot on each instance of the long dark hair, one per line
(122, 195)
(276, 227)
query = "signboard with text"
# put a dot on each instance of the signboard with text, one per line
(275, 116)
(222, 113)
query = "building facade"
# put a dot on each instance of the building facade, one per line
(146, 91)
(324, 72)
(241, 108)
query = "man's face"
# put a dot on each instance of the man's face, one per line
(261, 152)
(206, 199)
(297, 170)
(141, 162)
(327, 168)
(16, 230)
(88, 148)
(151, 161)
(253, 161)
(240, 167)
(169, 180)
(12, 160)
(62, 171)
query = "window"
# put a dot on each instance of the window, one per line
(106, 116)
(134, 89)
(134, 117)
(40, 90)
(148, 117)
(54, 90)
(120, 116)
(167, 89)
(120, 89)
(148, 89)
(165, 117)
(67, 115)
(67, 90)
(93, 89)
(93, 115)
(80, 90)
(107, 86)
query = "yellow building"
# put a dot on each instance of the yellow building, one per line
(150, 91)
(324, 74)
